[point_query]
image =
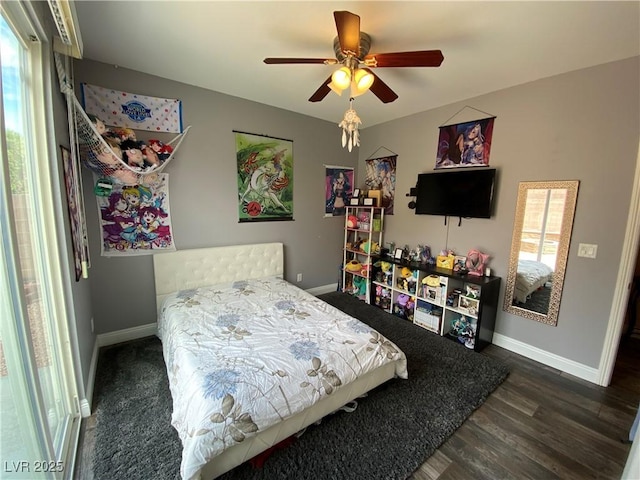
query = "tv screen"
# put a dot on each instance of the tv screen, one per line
(461, 193)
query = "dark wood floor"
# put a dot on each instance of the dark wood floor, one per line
(544, 424)
(539, 424)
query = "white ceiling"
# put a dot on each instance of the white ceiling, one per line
(487, 46)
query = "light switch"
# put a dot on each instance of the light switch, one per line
(587, 250)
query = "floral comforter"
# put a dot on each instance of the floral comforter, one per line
(242, 357)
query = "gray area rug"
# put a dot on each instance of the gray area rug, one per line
(394, 429)
(538, 301)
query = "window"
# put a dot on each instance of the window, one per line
(542, 225)
(38, 400)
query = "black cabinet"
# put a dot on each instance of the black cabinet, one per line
(462, 308)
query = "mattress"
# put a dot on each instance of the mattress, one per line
(530, 276)
(252, 361)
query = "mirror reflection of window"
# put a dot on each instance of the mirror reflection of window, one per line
(542, 226)
(542, 230)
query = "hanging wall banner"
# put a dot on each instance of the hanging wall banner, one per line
(76, 214)
(465, 144)
(131, 110)
(265, 178)
(381, 175)
(135, 219)
(338, 188)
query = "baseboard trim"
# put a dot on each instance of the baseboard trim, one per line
(571, 367)
(85, 403)
(322, 289)
(119, 336)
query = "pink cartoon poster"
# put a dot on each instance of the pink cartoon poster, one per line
(135, 219)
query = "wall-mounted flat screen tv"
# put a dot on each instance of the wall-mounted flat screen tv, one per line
(460, 193)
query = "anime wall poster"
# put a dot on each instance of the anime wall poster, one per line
(465, 144)
(338, 189)
(381, 175)
(135, 219)
(265, 178)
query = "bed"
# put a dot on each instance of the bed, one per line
(253, 359)
(531, 275)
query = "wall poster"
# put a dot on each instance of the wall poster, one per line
(381, 175)
(76, 214)
(465, 144)
(338, 189)
(265, 178)
(135, 219)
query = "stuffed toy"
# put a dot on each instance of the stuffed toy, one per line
(360, 286)
(150, 156)
(126, 177)
(353, 266)
(163, 150)
(99, 124)
(365, 270)
(431, 280)
(476, 262)
(370, 247)
(131, 154)
(352, 221)
(125, 134)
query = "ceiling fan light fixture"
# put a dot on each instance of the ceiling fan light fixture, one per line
(341, 78)
(335, 88)
(363, 79)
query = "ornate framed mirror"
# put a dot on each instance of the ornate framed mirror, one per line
(539, 249)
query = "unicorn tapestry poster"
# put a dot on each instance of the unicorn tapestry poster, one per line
(135, 219)
(265, 178)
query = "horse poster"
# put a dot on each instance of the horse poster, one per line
(265, 178)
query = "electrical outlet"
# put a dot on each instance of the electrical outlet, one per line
(587, 250)
(299, 277)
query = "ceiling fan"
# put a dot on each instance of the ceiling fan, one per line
(351, 48)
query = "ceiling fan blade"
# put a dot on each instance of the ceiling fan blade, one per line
(381, 89)
(281, 61)
(348, 26)
(322, 92)
(421, 58)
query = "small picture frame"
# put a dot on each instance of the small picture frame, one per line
(356, 193)
(354, 202)
(369, 202)
(398, 254)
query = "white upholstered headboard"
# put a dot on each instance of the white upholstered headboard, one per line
(199, 267)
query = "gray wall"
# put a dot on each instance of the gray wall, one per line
(203, 193)
(581, 126)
